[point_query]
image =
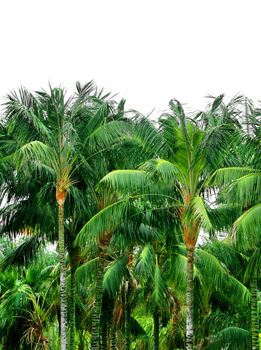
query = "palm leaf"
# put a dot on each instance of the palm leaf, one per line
(23, 254)
(104, 222)
(145, 266)
(113, 277)
(225, 176)
(126, 181)
(231, 338)
(247, 228)
(201, 213)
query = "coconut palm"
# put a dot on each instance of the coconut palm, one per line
(242, 190)
(186, 159)
(49, 133)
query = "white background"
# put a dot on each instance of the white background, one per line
(146, 51)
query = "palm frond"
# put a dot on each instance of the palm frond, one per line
(35, 151)
(113, 277)
(145, 266)
(104, 222)
(159, 295)
(126, 181)
(225, 176)
(201, 213)
(107, 134)
(231, 338)
(215, 275)
(253, 264)
(246, 190)
(163, 170)
(247, 228)
(86, 271)
(23, 254)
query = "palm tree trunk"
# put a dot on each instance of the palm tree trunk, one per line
(63, 300)
(104, 333)
(72, 310)
(113, 337)
(254, 316)
(95, 340)
(156, 329)
(189, 299)
(127, 319)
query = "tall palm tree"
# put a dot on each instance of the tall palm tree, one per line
(241, 188)
(186, 158)
(49, 135)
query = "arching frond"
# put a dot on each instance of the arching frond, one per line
(163, 170)
(102, 223)
(247, 228)
(225, 176)
(145, 266)
(107, 134)
(253, 264)
(246, 190)
(201, 213)
(114, 275)
(231, 338)
(36, 151)
(86, 271)
(23, 254)
(126, 181)
(216, 276)
(159, 295)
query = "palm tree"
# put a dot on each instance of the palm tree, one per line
(242, 190)
(60, 141)
(27, 297)
(186, 159)
(47, 132)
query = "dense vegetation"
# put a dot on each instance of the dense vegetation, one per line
(121, 233)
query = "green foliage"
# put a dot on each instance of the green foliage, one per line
(141, 198)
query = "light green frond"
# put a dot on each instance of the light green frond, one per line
(159, 295)
(253, 264)
(216, 276)
(126, 181)
(224, 176)
(247, 228)
(178, 271)
(35, 151)
(201, 214)
(107, 134)
(102, 223)
(163, 169)
(145, 265)
(113, 277)
(246, 189)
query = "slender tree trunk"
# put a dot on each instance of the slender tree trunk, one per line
(127, 312)
(113, 337)
(72, 310)
(104, 333)
(189, 299)
(254, 316)
(156, 329)
(95, 341)
(63, 300)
